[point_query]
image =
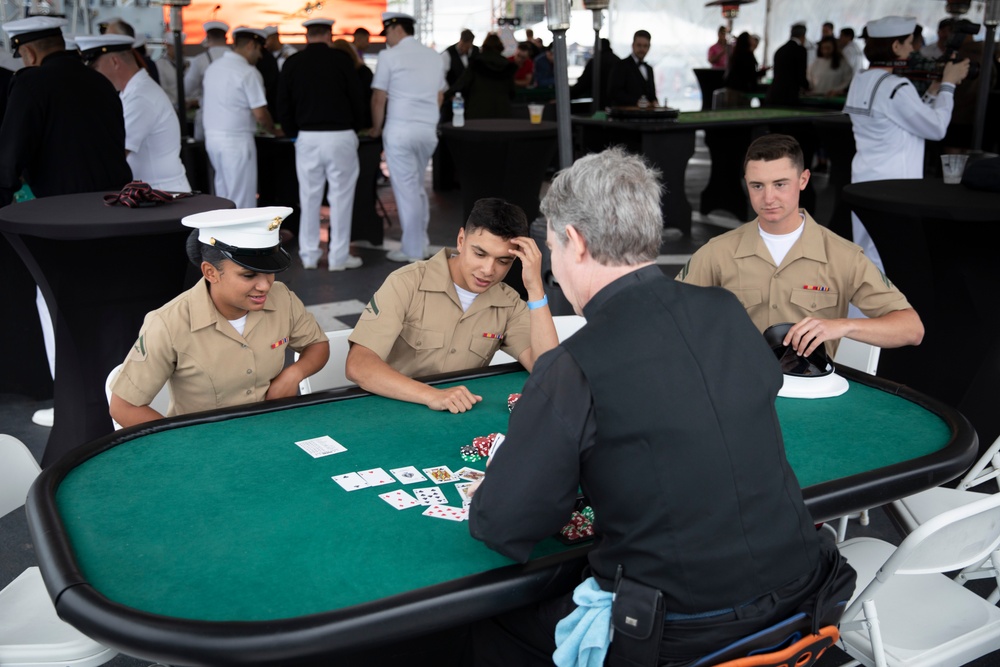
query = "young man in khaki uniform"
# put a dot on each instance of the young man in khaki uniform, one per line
(223, 342)
(452, 312)
(784, 267)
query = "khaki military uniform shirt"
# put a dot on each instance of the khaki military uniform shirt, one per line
(821, 275)
(415, 322)
(206, 361)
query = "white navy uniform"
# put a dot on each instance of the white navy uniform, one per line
(891, 123)
(411, 75)
(233, 88)
(152, 135)
(193, 78)
(168, 77)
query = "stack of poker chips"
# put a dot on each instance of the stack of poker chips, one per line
(580, 526)
(512, 401)
(479, 449)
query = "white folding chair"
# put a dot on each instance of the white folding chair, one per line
(859, 356)
(566, 326)
(331, 376)
(862, 357)
(160, 402)
(31, 634)
(912, 511)
(905, 612)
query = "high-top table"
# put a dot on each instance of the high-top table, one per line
(101, 269)
(501, 157)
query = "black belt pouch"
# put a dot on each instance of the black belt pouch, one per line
(637, 616)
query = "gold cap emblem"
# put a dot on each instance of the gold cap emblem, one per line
(274, 224)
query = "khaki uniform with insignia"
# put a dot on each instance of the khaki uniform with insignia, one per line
(415, 322)
(208, 364)
(821, 275)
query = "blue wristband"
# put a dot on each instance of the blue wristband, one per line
(534, 305)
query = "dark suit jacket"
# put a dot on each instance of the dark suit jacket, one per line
(584, 86)
(627, 84)
(789, 75)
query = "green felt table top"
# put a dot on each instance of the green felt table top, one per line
(721, 115)
(232, 521)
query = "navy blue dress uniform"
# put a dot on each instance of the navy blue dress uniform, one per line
(63, 131)
(627, 84)
(320, 101)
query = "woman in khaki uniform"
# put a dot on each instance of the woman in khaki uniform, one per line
(223, 342)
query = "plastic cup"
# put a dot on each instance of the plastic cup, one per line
(952, 167)
(535, 111)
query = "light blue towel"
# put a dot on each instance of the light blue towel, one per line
(583, 637)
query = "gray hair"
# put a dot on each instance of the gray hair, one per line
(613, 199)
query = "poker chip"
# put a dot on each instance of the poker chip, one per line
(483, 443)
(512, 401)
(470, 453)
(580, 525)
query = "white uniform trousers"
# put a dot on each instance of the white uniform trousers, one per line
(408, 151)
(234, 158)
(326, 158)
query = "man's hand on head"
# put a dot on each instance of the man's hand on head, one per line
(454, 400)
(527, 251)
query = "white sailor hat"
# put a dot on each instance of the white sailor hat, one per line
(215, 25)
(392, 18)
(312, 22)
(247, 236)
(258, 35)
(70, 42)
(27, 30)
(891, 26)
(270, 30)
(93, 47)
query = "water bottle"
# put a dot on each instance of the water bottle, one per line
(458, 111)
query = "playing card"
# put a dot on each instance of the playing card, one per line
(376, 477)
(399, 499)
(408, 475)
(470, 474)
(321, 446)
(350, 481)
(430, 495)
(446, 512)
(494, 446)
(463, 491)
(441, 474)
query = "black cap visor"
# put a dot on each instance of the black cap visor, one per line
(262, 260)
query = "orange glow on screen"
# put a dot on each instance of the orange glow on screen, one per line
(288, 15)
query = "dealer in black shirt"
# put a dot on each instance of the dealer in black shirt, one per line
(661, 408)
(63, 130)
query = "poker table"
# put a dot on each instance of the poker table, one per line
(101, 269)
(728, 132)
(213, 539)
